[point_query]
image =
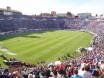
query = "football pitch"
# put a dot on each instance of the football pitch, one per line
(47, 45)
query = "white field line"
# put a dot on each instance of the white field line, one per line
(7, 51)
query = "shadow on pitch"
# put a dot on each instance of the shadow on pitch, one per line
(31, 36)
(24, 34)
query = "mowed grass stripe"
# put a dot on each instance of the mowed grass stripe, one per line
(38, 44)
(59, 46)
(82, 42)
(53, 46)
(86, 42)
(21, 42)
(21, 38)
(16, 37)
(18, 42)
(34, 52)
(76, 43)
(67, 49)
(47, 52)
(14, 41)
(47, 44)
(31, 43)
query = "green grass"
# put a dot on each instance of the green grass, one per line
(46, 45)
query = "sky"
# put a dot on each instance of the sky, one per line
(60, 6)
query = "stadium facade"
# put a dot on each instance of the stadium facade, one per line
(8, 11)
(84, 15)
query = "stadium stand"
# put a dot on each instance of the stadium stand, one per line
(89, 65)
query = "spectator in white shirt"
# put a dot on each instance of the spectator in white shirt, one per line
(86, 73)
